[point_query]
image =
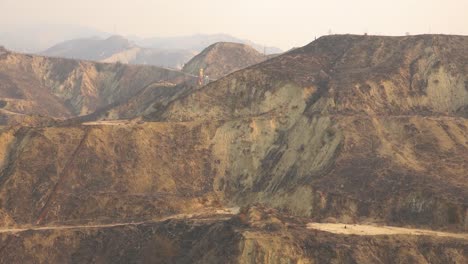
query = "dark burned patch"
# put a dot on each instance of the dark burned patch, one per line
(411, 129)
(415, 212)
(268, 163)
(3, 119)
(364, 209)
(454, 215)
(423, 110)
(437, 65)
(8, 88)
(288, 179)
(365, 88)
(62, 68)
(322, 90)
(301, 148)
(447, 131)
(100, 67)
(75, 109)
(7, 172)
(272, 158)
(427, 146)
(166, 242)
(316, 249)
(462, 126)
(419, 87)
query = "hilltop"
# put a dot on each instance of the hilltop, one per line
(223, 58)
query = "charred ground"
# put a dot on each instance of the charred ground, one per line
(348, 129)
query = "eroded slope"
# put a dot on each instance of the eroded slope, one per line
(103, 173)
(348, 127)
(62, 88)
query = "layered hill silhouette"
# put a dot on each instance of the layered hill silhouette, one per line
(349, 129)
(165, 58)
(199, 42)
(217, 60)
(118, 49)
(90, 48)
(167, 52)
(39, 36)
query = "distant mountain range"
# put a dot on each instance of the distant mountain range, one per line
(118, 49)
(166, 52)
(71, 41)
(32, 85)
(90, 48)
(199, 42)
(78, 42)
(33, 39)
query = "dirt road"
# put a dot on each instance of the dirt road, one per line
(206, 215)
(370, 230)
(107, 123)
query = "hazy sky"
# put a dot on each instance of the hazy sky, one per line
(281, 23)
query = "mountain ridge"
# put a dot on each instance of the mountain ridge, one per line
(199, 42)
(320, 149)
(64, 88)
(168, 52)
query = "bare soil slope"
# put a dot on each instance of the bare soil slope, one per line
(62, 88)
(348, 129)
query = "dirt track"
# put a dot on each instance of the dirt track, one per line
(370, 230)
(199, 216)
(107, 123)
